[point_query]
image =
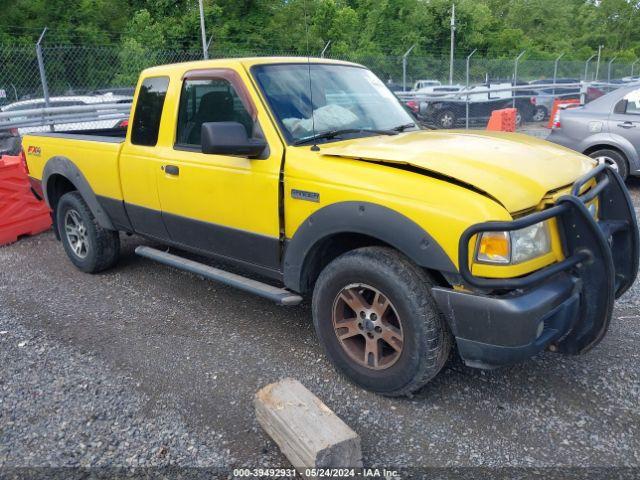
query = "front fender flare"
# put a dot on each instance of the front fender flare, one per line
(66, 168)
(364, 218)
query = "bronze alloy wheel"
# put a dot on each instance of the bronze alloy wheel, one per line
(368, 326)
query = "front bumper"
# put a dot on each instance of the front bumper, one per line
(565, 307)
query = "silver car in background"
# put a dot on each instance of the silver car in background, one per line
(607, 129)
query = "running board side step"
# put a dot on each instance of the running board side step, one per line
(281, 296)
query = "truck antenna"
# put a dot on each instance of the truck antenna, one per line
(314, 147)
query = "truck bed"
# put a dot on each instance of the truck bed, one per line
(95, 153)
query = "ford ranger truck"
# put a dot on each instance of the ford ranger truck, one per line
(310, 179)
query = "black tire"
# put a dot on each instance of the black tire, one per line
(521, 118)
(102, 246)
(426, 339)
(613, 157)
(539, 114)
(446, 119)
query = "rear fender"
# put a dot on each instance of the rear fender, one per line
(67, 169)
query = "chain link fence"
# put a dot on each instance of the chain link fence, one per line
(79, 70)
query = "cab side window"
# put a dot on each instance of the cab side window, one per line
(146, 119)
(204, 101)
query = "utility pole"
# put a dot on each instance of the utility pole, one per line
(453, 38)
(598, 62)
(205, 50)
(404, 68)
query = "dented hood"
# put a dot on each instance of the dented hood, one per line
(517, 170)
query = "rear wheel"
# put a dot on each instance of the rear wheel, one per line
(539, 114)
(90, 247)
(375, 317)
(614, 158)
(446, 119)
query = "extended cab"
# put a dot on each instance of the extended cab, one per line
(310, 175)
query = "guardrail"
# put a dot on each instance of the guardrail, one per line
(49, 116)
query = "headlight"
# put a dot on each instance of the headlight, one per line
(514, 247)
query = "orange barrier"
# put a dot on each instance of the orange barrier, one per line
(555, 110)
(503, 120)
(21, 213)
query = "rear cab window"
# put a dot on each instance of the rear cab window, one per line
(148, 113)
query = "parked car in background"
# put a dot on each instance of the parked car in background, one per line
(450, 110)
(422, 84)
(543, 102)
(67, 101)
(607, 129)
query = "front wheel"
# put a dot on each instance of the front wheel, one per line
(89, 246)
(378, 323)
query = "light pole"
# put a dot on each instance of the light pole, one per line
(466, 121)
(453, 39)
(205, 52)
(555, 72)
(586, 66)
(404, 68)
(515, 77)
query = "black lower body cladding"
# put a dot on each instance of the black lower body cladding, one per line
(495, 331)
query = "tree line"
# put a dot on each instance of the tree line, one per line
(120, 37)
(497, 28)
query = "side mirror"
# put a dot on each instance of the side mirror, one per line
(229, 138)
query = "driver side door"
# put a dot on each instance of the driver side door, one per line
(225, 205)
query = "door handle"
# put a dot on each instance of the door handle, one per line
(626, 125)
(171, 170)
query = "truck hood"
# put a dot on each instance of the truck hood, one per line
(516, 170)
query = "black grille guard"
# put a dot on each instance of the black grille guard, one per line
(602, 254)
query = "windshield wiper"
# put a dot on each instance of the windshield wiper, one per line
(402, 128)
(328, 135)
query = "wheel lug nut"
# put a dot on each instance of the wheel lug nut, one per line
(378, 329)
(374, 317)
(362, 314)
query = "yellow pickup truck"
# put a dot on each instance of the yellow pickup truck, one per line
(309, 177)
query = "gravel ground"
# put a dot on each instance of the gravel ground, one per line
(144, 365)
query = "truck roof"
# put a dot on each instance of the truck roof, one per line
(246, 62)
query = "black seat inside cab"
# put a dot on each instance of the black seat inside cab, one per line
(214, 107)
